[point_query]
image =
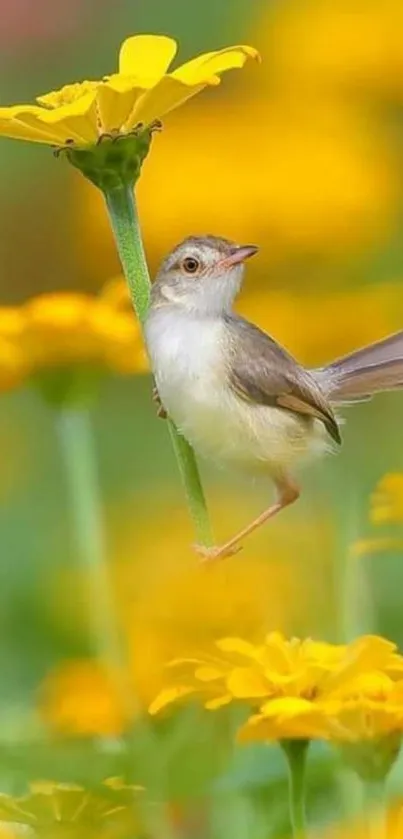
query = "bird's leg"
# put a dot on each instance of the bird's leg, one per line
(161, 412)
(288, 492)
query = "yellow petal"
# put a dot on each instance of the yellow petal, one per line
(245, 683)
(114, 105)
(285, 718)
(77, 120)
(204, 67)
(237, 645)
(286, 706)
(146, 56)
(367, 653)
(168, 696)
(166, 95)
(219, 702)
(21, 122)
(208, 674)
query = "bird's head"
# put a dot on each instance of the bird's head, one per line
(202, 274)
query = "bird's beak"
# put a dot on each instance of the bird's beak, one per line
(238, 254)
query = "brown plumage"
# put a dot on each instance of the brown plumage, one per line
(261, 371)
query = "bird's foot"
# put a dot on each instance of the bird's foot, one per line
(216, 552)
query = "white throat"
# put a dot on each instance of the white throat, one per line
(212, 297)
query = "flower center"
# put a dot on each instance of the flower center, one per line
(67, 94)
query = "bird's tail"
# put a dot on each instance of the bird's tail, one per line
(364, 372)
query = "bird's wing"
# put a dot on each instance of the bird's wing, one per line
(263, 372)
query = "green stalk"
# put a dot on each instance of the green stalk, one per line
(375, 808)
(296, 753)
(125, 225)
(76, 443)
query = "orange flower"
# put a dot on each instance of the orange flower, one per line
(83, 698)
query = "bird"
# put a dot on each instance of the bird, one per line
(235, 394)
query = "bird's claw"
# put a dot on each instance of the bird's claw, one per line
(216, 552)
(161, 412)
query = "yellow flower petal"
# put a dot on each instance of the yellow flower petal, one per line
(166, 95)
(169, 695)
(146, 56)
(285, 718)
(237, 645)
(219, 702)
(21, 122)
(115, 104)
(367, 653)
(77, 119)
(204, 67)
(245, 683)
(208, 674)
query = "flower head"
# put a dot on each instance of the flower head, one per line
(67, 328)
(279, 669)
(61, 332)
(387, 500)
(68, 809)
(302, 689)
(141, 91)
(83, 698)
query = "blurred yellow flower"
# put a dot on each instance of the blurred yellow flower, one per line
(81, 697)
(354, 45)
(169, 606)
(386, 505)
(388, 827)
(13, 363)
(67, 330)
(138, 94)
(386, 508)
(106, 810)
(317, 326)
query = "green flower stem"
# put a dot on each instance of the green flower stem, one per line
(375, 808)
(76, 443)
(296, 754)
(125, 224)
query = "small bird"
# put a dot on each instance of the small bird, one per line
(232, 391)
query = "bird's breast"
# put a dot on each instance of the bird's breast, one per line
(190, 358)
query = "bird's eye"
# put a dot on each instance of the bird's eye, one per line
(191, 264)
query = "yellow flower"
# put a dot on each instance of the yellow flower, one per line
(387, 500)
(388, 827)
(66, 328)
(67, 331)
(13, 363)
(279, 669)
(139, 93)
(83, 698)
(386, 508)
(342, 44)
(103, 811)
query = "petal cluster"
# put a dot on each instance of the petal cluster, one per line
(141, 91)
(298, 688)
(103, 811)
(67, 330)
